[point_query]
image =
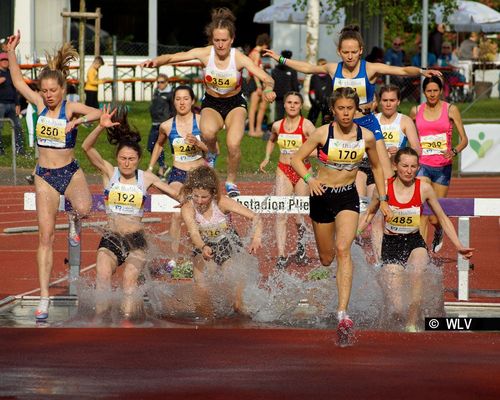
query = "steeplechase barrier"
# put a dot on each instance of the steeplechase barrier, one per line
(462, 208)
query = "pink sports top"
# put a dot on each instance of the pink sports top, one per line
(435, 137)
(222, 81)
(214, 228)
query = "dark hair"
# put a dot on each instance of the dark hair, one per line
(124, 135)
(287, 53)
(350, 32)
(263, 39)
(189, 89)
(99, 59)
(390, 88)
(184, 87)
(433, 79)
(202, 177)
(293, 93)
(404, 151)
(222, 18)
(57, 67)
(344, 93)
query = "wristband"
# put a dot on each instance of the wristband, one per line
(268, 90)
(268, 157)
(306, 177)
(454, 151)
(383, 198)
(282, 60)
(150, 168)
(84, 119)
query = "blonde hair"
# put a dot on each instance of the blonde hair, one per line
(57, 67)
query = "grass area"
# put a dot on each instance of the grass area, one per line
(252, 149)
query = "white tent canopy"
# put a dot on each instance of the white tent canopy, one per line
(284, 12)
(470, 16)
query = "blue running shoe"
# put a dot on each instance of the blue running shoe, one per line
(232, 190)
(42, 311)
(211, 159)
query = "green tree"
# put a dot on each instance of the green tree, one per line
(395, 12)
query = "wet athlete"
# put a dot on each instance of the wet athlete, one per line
(403, 246)
(124, 240)
(57, 171)
(334, 200)
(289, 133)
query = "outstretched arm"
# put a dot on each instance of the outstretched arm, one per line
(230, 205)
(302, 66)
(17, 77)
(431, 197)
(163, 133)
(88, 144)
(198, 53)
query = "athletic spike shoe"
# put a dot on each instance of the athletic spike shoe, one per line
(282, 262)
(437, 242)
(232, 190)
(42, 311)
(211, 159)
(75, 227)
(345, 332)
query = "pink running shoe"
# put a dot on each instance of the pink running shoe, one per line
(345, 332)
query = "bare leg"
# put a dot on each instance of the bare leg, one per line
(252, 111)
(392, 276)
(132, 268)
(283, 188)
(260, 117)
(175, 224)
(417, 263)
(235, 125)
(211, 123)
(47, 203)
(345, 231)
(105, 267)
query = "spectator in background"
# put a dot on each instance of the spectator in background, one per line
(72, 94)
(257, 106)
(286, 81)
(469, 48)
(436, 39)
(160, 110)
(396, 54)
(320, 90)
(9, 105)
(376, 55)
(92, 83)
(416, 60)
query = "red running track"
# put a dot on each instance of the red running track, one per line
(241, 363)
(245, 364)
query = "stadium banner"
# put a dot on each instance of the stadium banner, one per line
(481, 155)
